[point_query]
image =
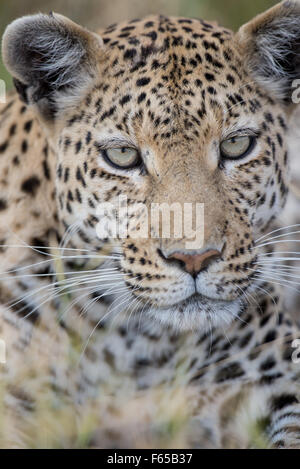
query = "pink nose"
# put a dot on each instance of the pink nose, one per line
(194, 263)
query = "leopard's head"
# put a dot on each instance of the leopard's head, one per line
(170, 111)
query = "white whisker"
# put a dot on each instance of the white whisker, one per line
(278, 242)
(276, 231)
(67, 283)
(278, 283)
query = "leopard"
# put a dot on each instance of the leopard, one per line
(162, 110)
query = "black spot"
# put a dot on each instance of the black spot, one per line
(40, 244)
(245, 340)
(269, 379)
(26, 312)
(270, 337)
(88, 137)
(24, 146)
(283, 400)
(262, 308)
(129, 53)
(209, 77)
(66, 174)
(198, 83)
(273, 200)
(125, 99)
(141, 97)
(28, 126)
(3, 204)
(232, 371)
(78, 196)
(79, 177)
(46, 170)
(268, 364)
(12, 130)
(152, 35)
(231, 79)
(266, 161)
(78, 146)
(31, 185)
(269, 118)
(3, 147)
(279, 138)
(108, 113)
(143, 81)
(265, 319)
(211, 90)
(93, 173)
(59, 171)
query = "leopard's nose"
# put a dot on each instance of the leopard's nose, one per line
(195, 263)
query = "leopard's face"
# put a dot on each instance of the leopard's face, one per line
(174, 116)
(168, 100)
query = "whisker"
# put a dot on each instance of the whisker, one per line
(64, 284)
(142, 312)
(246, 294)
(93, 300)
(275, 253)
(280, 268)
(282, 235)
(35, 248)
(274, 276)
(277, 242)
(94, 329)
(11, 271)
(237, 317)
(139, 301)
(276, 231)
(53, 297)
(26, 267)
(280, 259)
(71, 231)
(266, 292)
(129, 305)
(210, 330)
(85, 308)
(54, 274)
(280, 284)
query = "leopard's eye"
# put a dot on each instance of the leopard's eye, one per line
(123, 158)
(237, 147)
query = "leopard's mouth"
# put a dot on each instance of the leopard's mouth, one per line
(198, 312)
(199, 299)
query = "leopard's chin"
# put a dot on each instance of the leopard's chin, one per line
(198, 313)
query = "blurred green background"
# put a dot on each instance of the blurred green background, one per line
(98, 13)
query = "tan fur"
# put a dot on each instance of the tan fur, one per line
(143, 337)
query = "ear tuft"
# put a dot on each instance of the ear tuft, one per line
(271, 44)
(48, 56)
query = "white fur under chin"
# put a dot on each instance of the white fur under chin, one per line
(197, 314)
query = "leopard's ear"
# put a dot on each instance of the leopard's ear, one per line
(270, 44)
(51, 59)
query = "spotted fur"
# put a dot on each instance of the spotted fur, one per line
(173, 88)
